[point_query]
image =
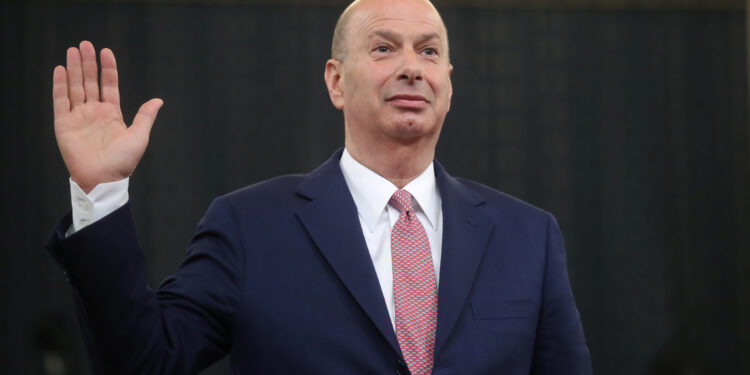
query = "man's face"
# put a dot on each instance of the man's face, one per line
(395, 79)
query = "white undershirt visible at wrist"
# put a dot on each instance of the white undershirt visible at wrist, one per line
(104, 199)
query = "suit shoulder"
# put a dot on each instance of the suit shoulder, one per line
(498, 200)
(270, 191)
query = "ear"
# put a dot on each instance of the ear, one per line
(450, 84)
(334, 80)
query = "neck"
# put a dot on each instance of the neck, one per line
(396, 162)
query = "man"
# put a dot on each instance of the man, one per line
(376, 262)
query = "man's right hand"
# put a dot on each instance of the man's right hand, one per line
(94, 141)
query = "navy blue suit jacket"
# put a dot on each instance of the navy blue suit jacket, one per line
(279, 276)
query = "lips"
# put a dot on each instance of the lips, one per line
(408, 97)
(408, 101)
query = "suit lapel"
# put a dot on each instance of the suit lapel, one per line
(466, 231)
(330, 218)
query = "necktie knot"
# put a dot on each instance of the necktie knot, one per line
(401, 200)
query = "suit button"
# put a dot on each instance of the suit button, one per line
(401, 368)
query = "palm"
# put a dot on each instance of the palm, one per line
(92, 138)
(95, 143)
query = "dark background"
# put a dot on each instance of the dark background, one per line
(629, 123)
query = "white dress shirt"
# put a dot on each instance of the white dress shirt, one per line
(101, 201)
(370, 191)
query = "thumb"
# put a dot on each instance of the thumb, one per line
(146, 115)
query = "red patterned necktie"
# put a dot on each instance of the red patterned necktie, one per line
(414, 287)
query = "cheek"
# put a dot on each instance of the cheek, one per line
(381, 75)
(442, 88)
(360, 83)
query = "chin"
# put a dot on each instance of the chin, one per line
(411, 128)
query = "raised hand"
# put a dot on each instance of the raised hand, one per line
(94, 141)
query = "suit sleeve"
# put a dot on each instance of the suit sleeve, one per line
(128, 328)
(560, 346)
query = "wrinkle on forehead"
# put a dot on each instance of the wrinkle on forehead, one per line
(430, 17)
(361, 15)
(372, 22)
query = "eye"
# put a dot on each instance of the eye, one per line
(382, 49)
(429, 51)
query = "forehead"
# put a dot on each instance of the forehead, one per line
(399, 16)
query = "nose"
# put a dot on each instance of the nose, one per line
(411, 69)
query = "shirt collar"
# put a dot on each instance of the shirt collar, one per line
(371, 192)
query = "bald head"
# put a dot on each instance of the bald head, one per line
(339, 46)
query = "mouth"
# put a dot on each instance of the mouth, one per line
(408, 101)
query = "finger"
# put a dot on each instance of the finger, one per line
(90, 71)
(110, 90)
(144, 119)
(75, 77)
(60, 101)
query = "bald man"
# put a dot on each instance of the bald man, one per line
(376, 262)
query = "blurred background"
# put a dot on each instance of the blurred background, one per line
(627, 119)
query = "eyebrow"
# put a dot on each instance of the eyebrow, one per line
(387, 34)
(428, 36)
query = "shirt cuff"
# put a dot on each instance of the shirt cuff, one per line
(104, 199)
